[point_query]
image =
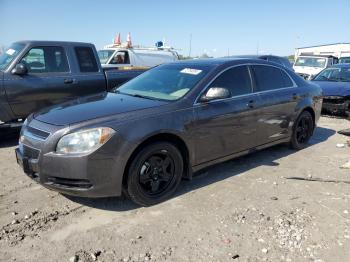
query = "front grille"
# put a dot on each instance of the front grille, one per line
(70, 183)
(30, 152)
(305, 76)
(334, 100)
(37, 132)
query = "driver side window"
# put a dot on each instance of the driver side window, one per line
(236, 80)
(35, 60)
(48, 59)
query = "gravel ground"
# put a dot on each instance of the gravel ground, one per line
(274, 205)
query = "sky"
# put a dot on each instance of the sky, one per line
(217, 28)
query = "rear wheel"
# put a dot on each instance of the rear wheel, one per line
(154, 173)
(302, 130)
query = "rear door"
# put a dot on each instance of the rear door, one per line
(226, 126)
(278, 98)
(44, 85)
(88, 75)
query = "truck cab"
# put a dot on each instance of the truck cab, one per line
(118, 57)
(39, 74)
(307, 66)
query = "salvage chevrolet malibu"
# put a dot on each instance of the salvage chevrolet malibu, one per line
(165, 124)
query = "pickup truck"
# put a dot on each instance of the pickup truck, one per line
(38, 74)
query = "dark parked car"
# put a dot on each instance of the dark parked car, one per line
(165, 124)
(283, 61)
(335, 83)
(37, 74)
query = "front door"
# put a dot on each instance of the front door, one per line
(46, 83)
(226, 126)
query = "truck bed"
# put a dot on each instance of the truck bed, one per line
(116, 77)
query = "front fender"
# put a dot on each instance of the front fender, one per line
(5, 115)
(5, 110)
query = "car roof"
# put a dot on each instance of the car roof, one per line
(256, 56)
(228, 61)
(45, 43)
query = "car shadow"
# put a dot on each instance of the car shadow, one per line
(9, 137)
(213, 174)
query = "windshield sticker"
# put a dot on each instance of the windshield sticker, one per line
(191, 71)
(10, 51)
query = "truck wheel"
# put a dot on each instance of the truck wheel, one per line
(154, 173)
(302, 131)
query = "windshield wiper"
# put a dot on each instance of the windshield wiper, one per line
(141, 96)
(135, 95)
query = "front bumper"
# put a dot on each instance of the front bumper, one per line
(93, 175)
(336, 105)
(305, 76)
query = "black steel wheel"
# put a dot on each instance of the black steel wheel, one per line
(302, 130)
(155, 173)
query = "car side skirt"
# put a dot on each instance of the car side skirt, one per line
(238, 154)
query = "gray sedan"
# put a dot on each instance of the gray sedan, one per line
(167, 123)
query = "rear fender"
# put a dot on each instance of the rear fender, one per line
(314, 106)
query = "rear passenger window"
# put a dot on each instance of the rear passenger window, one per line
(236, 79)
(270, 78)
(86, 59)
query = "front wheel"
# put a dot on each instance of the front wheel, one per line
(302, 130)
(154, 173)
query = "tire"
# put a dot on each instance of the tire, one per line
(154, 173)
(302, 131)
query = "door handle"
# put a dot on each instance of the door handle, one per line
(251, 104)
(68, 81)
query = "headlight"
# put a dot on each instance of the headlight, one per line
(84, 141)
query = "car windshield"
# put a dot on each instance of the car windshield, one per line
(104, 55)
(334, 74)
(7, 57)
(311, 62)
(344, 60)
(167, 82)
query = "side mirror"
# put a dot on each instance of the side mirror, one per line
(20, 69)
(215, 93)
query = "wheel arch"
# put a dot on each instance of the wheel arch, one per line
(162, 137)
(312, 112)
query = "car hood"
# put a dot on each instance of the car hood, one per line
(331, 88)
(93, 107)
